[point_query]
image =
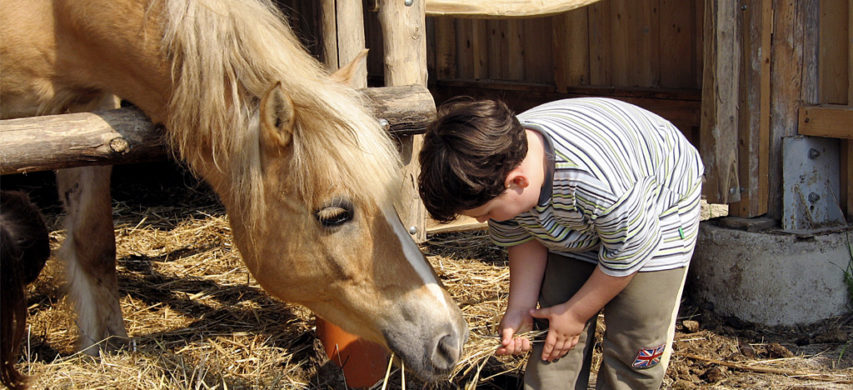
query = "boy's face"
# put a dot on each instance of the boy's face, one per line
(516, 199)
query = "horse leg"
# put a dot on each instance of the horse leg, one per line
(89, 252)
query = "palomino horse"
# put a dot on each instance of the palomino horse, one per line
(308, 177)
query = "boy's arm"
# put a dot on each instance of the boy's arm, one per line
(526, 267)
(567, 320)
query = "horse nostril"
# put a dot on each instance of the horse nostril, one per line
(446, 352)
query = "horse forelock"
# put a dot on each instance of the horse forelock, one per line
(225, 55)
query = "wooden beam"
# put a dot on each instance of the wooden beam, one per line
(502, 8)
(62, 141)
(127, 136)
(826, 120)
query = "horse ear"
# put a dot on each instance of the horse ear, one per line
(277, 117)
(344, 75)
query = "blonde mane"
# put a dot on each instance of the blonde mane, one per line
(225, 55)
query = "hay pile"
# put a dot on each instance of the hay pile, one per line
(198, 320)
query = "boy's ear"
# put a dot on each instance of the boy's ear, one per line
(516, 178)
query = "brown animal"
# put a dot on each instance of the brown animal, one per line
(24, 248)
(308, 177)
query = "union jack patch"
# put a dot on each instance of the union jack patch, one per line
(648, 357)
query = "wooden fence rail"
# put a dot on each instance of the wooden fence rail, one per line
(127, 136)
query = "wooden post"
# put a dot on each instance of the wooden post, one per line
(754, 121)
(791, 78)
(847, 146)
(343, 36)
(719, 126)
(404, 44)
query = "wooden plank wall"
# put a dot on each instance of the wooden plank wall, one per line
(648, 52)
(835, 78)
(611, 43)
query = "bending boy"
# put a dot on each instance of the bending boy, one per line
(597, 202)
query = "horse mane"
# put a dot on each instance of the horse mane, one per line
(225, 55)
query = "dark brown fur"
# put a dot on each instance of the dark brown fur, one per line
(24, 248)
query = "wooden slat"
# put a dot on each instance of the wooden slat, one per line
(833, 121)
(537, 50)
(464, 48)
(515, 49)
(623, 43)
(699, 56)
(445, 48)
(480, 48)
(647, 29)
(754, 104)
(720, 89)
(570, 45)
(788, 51)
(497, 49)
(762, 205)
(832, 74)
(677, 40)
(600, 46)
(635, 43)
(502, 8)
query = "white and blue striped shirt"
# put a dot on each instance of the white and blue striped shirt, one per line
(624, 192)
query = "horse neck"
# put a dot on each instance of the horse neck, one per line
(126, 61)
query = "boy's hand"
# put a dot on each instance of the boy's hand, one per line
(563, 330)
(512, 323)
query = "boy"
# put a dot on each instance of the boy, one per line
(597, 202)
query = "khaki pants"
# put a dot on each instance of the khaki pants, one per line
(638, 322)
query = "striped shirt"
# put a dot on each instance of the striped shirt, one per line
(623, 191)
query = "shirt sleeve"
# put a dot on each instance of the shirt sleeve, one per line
(629, 229)
(508, 233)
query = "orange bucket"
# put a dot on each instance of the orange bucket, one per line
(363, 362)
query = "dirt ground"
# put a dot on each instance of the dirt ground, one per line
(199, 321)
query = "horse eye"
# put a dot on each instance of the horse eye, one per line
(335, 214)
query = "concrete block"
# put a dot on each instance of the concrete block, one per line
(771, 278)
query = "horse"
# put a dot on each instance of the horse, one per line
(24, 249)
(309, 179)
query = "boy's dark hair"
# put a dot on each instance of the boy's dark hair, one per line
(467, 154)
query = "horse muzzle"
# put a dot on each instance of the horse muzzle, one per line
(429, 349)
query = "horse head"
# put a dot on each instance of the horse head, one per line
(328, 237)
